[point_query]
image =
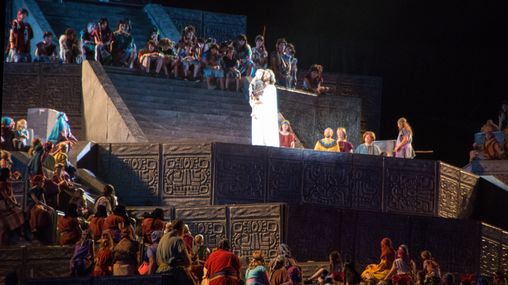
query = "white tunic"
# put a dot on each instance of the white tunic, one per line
(265, 119)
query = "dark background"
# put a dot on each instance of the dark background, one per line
(443, 64)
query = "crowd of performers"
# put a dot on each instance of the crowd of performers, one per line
(191, 58)
(49, 172)
(403, 145)
(107, 240)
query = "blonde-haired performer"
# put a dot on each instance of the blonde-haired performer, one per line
(403, 146)
(343, 145)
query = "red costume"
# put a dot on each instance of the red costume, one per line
(96, 227)
(150, 225)
(285, 141)
(103, 262)
(21, 34)
(112, 224)
(223, 268)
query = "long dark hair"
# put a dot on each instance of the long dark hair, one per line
(335, 261)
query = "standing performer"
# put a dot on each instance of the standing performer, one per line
(263, 100)
(403, 146)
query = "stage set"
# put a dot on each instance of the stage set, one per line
(175, 144)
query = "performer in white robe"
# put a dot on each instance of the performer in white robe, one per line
(265, 114)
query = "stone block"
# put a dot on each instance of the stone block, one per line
(42, 121)
(240, 173)
(410, 186)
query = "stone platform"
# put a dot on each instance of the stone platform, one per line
(214, 174)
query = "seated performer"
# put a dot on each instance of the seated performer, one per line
(368, 147)
(327, 143)
(377, 272)
(343, 144)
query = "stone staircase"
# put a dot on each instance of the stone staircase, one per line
(76, 15)
(179, 111)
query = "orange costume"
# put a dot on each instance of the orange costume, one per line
(70, 230)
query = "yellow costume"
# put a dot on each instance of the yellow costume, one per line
(376, 271)
(326, 144)
(60, 157)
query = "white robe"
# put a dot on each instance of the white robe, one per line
(265, 119)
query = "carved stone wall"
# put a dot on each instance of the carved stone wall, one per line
(456, 195)
(494, 250)
(220, 173)
(247, 174)
(410, 186)
(153, 174)
(33, 85)
(357, 235)
(257, 227)
(208, 24)
(248, 227)
(35, 261)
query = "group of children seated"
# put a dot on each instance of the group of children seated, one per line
(190, 58)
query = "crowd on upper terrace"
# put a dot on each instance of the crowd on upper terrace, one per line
(191, 58)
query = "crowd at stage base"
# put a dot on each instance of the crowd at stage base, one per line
(192, 58)
(108, 241)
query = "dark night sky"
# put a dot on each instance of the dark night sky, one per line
(443, 63)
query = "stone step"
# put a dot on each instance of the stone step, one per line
(184, 137)
(147, 83)
(181, 94)
(121, 72)
(185, 106)
(175, 118)
(191, 130)
(177, 97)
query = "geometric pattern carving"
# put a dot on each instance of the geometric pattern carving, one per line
(187, 176)
(327, 183)
(248, 227)
(448, 200)
(210, 221)
(256, 227)
(240, 173)
(410, 186)
(456, 190)
(284, 170)
(494, 243)
(137, 173)
(366, 182)
(140, 172)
